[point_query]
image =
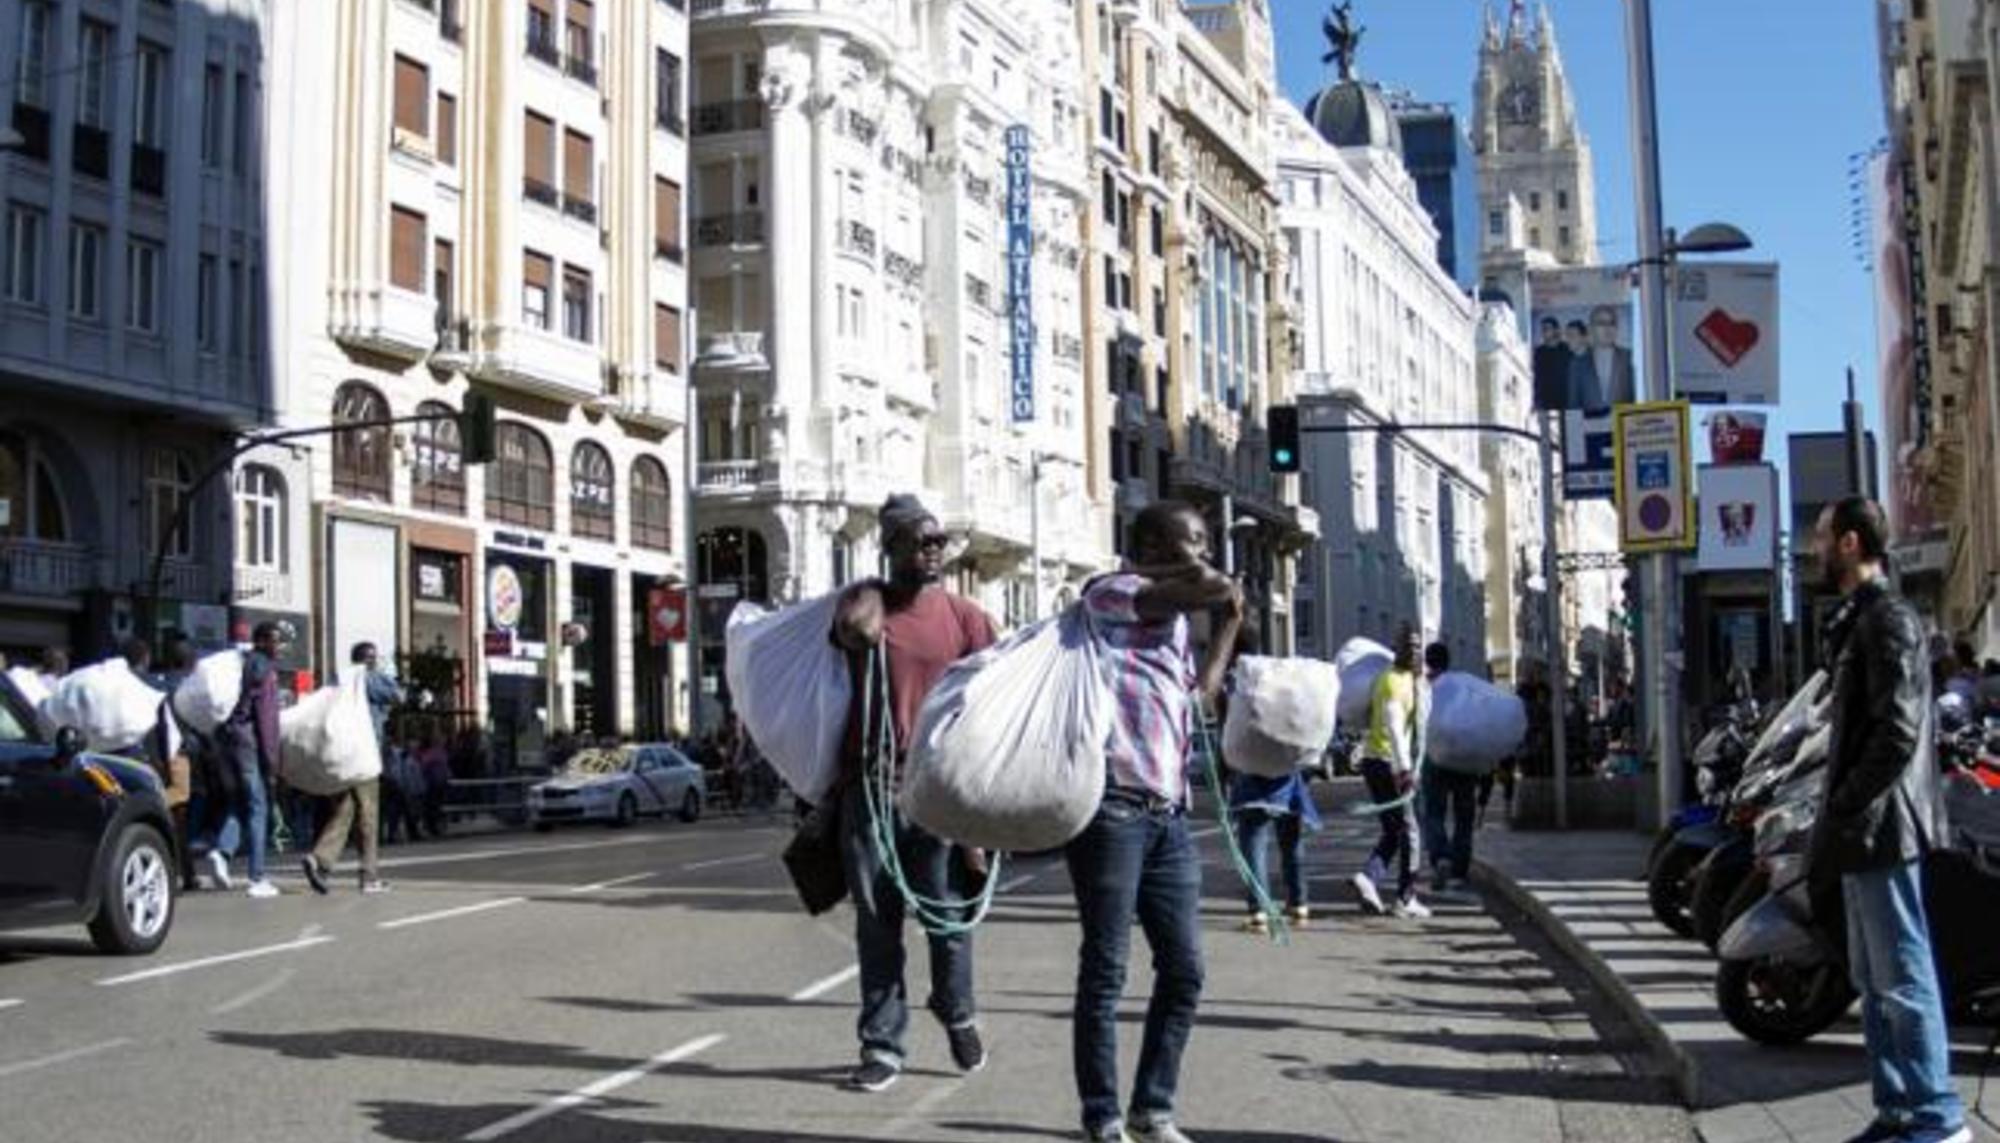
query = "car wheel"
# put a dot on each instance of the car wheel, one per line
(690, 807)
(628, 811)
(135, 893)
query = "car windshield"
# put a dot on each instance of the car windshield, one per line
(590, 762)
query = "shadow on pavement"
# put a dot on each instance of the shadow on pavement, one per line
(14, 949)
(1208, 1135)
(616, 1004)
(422, 1047)
(1489, 1083)
(438, 1123)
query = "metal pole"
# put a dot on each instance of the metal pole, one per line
(1035, 535)
(1552, 627)
(690, 477)
(1659, 710)
(1857, 440)
(1228, 534)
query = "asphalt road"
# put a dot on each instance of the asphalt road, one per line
(661, 985)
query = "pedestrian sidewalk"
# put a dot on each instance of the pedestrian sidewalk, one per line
(1586, 890)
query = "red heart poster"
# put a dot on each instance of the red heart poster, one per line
(1728, 337)
(666, 615)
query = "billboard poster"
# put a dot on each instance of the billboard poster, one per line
(1583, 364)
(1736, 437)
(1020, 275)
(1725, 335)
(1738, 505)
(1902, 336)
(1655, 487)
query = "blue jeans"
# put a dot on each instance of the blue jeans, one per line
(1134, 860)
(1256, 826)
(878, 931)
(1902, 1011)
(1447, 791)
(246, 822)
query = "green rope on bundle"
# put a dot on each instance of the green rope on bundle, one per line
(1274, 917)
(878, 782)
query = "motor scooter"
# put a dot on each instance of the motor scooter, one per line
(1718, 762)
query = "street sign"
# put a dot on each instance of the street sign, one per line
(1726, 332)
(1654, 479)
(1020, 270)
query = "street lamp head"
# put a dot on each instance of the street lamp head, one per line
(1712, 238)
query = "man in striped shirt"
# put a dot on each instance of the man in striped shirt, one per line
(1136, 858)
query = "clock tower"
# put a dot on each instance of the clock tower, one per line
(1535, 185)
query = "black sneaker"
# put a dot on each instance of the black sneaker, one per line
(315, 876)
(968, 1051)
(874, 1075)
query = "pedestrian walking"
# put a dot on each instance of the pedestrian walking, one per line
(1266, 809)
(402, 793)
(357, 810)
(1137, 857)
(435, 764)
(1448, 799)
(1390, 757)
(183, 747)
(1880, 814)
(920, 629)
(247, 742)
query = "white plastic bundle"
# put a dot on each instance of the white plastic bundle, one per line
(790, 687)
(110, 705)
(28, 681)
(1281, 714)
(1360, 662)
(208, 695)
(326, 741)
(1009, 746)
(1474, 725)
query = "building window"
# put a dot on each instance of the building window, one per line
(441, 282)
(578, 199)
(1159, 229)
(1562, 200)
(33, 86)
(29, 487)
(207, 281)
(576, 304)
(1496, 223)
(652, 506)
(360, 456)
(92, 88)
(86, 272)
(413, 100)
(520, 484)
(537, 277)
(577, 46)
(1562, 237)
(408, 233)
(591, 486)
(437, 473)
(238, 312)
(542, 31)
(24, 254)
(447, 129)
(142, 286)
(667, 219)
(1152, 144)
(667, 338)
(1535, 200)
(539, 159)
(169, 481)
(211, 116)
(246, 115)
(667, 90)
(260, 514)
(149, 77)
(1535, 236)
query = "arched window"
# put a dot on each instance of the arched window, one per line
(652, 506)
(33, 502)
(360, 456)
(169, 480)
(260, 514)
(520, 485)
(591, 482)
(437, 473)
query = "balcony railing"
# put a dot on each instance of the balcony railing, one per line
(862, 128)
(978, 292)
(581, 69)
(729, 116)
(857, 237)
(743, 228)
(903, 268)
(729, 474)
(268, 585)
(979, 190)
(670, 250)
(581, 209)
(35, 567)
(149, 170)
(670, 121)
(93, 151)
(535, 190)
(544, 49)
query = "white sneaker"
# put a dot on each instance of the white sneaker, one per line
(1371, 897)
(262, 889)
(218, 870)
(1412, 908)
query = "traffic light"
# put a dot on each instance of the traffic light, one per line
(1281, 425)
(477, 428)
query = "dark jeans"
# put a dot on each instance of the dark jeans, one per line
(878, 931)
(1399, 829)
(1133, 860)
(1256, 827)
(1449, 792)
(242, 818)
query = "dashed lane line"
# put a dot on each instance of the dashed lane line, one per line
(10, 1003)
(819, 988)
(208, 961)
(62, 1057)
(595, 886)
(592, 1091)
(719, 862)
(447, 914)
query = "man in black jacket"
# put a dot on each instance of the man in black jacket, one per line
(1882, 813)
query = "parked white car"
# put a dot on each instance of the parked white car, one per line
(617, 785)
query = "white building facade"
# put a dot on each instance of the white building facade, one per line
(1516, 586)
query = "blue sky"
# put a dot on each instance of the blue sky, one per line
(1761, 104)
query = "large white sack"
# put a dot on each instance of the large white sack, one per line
(110, 705)
(207, 697)
(1474, 725)
(1281, 714)
(1360, 662)
(1009, 745)
(789, 684)
(326, 741)
(28, 682)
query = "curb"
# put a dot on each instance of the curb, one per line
(1674, 1059)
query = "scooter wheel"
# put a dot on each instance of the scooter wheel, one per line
(1777, 1003)
(1669, 886)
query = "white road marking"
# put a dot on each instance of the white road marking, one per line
(592, 1091)
(446, 914)
(254, 995)
(10, 1004)
(717, 863)
(614, 882)
(524, 850)
(62, 1057)
(819, 988)
(1010, 885)
(207, 961)
(897, 1127)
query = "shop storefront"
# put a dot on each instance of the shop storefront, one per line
(518, 593)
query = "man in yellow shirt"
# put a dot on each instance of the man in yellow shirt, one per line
(1389, 760)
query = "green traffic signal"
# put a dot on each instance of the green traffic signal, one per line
(1281, 425)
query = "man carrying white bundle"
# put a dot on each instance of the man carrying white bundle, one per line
(920, 630)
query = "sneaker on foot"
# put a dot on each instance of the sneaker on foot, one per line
(1411, 908)
(1371, 897)
(315, 876)
(874, 1075)
(218, 870)
(1112, 1132)
(1959, 1134)
(1157, 1131)
(968, 1051)
(1255, 923)
(1299, 915)
(262, 888)
(374, 885)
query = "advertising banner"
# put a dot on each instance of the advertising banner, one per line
(1583, 364)
(1738, 504)
(666, 616)
(1725, 337)
(1653, 478)
(1902, 334)
(1736, 438)
(1020, 274)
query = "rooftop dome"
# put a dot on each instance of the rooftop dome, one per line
(1353, 113)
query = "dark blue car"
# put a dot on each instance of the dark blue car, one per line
(83, 837)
